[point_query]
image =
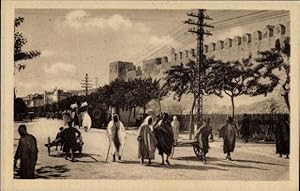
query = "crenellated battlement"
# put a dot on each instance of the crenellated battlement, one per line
(228, 49)
(242, 46)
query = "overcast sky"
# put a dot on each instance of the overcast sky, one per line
(75, 42)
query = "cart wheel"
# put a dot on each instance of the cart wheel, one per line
(197, 151)
(172, 152)
(49, 146)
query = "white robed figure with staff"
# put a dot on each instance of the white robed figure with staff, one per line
(117, 136)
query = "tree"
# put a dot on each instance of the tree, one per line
(19, 42)
(278, 59)
(243, 78)
(130, 94)
(183, 80)
(148, 89)
(19, 54)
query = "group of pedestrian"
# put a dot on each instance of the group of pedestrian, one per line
(156, 132)
(79, 116)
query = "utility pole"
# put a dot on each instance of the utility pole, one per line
(96, 82)
(200, 24)
(86, 84)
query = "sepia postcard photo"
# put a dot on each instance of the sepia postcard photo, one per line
(149, 95)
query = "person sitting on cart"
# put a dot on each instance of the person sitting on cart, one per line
(58, 140)
(70, 140)
(202, 135)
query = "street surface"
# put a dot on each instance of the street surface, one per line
(250, 161)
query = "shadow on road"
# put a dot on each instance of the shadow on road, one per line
(232, 165)
(131, 162)
(188, 167)
(192, 158)
(78, 157)
(259, 162)
(48, 172)
(87, 155)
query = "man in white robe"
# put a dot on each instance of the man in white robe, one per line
(117, 136)
(87, 121)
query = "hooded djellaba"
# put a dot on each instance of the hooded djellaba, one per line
(117, 135)
(165, 139)
(202, 135)
(283, 136)
(229, 132)
(146, 140)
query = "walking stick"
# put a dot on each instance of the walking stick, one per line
(108, 148)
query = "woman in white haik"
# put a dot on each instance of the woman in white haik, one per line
(117, 136)
(175, 124)
(87, 121)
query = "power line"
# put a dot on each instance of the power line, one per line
(200, 30)
(238, 24)
(243, 23)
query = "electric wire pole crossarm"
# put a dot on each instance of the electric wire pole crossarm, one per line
(200, 32)
(86, 84)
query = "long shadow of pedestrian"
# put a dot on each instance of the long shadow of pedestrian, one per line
(80, 156)
(87, 155)
(130, 162)
(188, 167)
(259, 162)
(48, 172)
(192, 158)
(232, 165)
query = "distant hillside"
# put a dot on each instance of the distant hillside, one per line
(264, 106)
(211, 106)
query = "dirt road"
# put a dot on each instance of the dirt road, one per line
(250, 161)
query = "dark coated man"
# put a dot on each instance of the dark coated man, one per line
(283, 137)
(27, 152)
(70, 136)
(229, 132)
(165, 139)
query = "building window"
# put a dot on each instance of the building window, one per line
(175, 56)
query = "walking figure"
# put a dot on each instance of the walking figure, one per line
(117, 136)
(165, 139)
(228, 132)
(245, 128)
(283, 137)
(202, 135)
(70, 136)
(175, 126)
(27, 152)
(87, 121)
(146, 141)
